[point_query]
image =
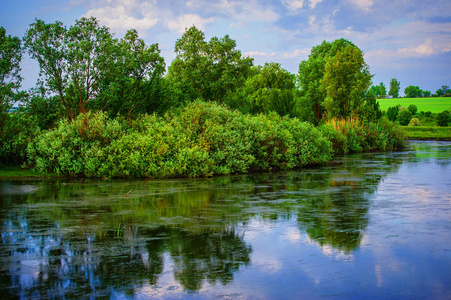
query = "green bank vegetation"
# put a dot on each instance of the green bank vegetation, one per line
(106, 107)
(428, 133)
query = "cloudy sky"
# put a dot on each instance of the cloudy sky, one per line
(405, 39)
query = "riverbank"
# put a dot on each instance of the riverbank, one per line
(427, 133)
(17, 172)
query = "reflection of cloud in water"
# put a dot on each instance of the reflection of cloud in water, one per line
(330, 251)
(266, 263)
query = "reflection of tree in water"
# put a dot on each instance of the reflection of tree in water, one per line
(91, 239)
(335, 214)
(42, 264)
(214, 257)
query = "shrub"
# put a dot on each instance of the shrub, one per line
(414, 122)
(202, 139)
(443, 118)
(428, 113)
(412, 108)
(404, 117)
(392, 112)
(17, 131)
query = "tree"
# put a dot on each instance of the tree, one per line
(394, 88)
(412, 108)
(413, 92)
(311, 74)
(136, 84)
(439, 92)
(443, 118)
(346, 80)
(379, 91)
(427, 93)
(10, 79)
(270, 90)
(404, 117)
(445, 88)
(392, 112)
(207, 70)
(74, 62)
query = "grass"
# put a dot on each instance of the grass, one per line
(11, 172)
(433, 104)
(427, 133)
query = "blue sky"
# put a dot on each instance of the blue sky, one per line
(405, 39)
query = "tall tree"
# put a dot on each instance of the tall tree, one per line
(346, 80)
(207, 70)
(270, 90)
(379, 91)
(413, 91)
(73, 62)
(311, 74)
(135, 85)
(394, 88)
(10, 79)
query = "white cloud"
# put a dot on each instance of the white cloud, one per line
(188, 20)
(295, 6)
(364, 5)
(121, 14)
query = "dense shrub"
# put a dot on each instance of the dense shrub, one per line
(203, 139)
(17, 131)
(392, 112)
(414, 122)
(404, 117)
(412, 108)
(443, 118)
(350, 135)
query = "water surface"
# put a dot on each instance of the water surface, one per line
(375, 226)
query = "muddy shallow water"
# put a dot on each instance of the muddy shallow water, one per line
(374, 226)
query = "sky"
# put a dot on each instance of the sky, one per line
(405, 39)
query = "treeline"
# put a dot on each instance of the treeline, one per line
(412, 91)
(105, 106)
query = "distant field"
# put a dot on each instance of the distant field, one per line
(428, 133)
(434, 104)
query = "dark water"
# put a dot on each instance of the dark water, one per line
(373, 226)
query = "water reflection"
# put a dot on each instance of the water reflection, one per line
(97, 238)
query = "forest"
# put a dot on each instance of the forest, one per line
(110, 107)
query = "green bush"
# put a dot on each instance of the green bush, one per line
(392, 112)
(412, 108)
(17, 131)
(404, 117)
(428, 114)
(202, 139)
(443, 118)
(414, 122)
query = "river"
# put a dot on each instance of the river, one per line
(373, 226)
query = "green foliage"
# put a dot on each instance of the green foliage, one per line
(19, 129)
(392, 112)
(351, 136)
(346, 79)
(412, 108)
(413, 92)
(404, 117)
(209, 71)
(394, 88)
(203, 139)
(88, 68)
(270, 90)
(46, 111)
(443, 118)
(414, 122)
(428, 133)
(310, 76)
(10, 79)
(428, 114)
(379, 91)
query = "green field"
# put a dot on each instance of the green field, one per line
(433, 104)
(427, 133)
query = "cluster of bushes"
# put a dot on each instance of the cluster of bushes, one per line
(351, 135)
(203, 139)
(405, 117)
